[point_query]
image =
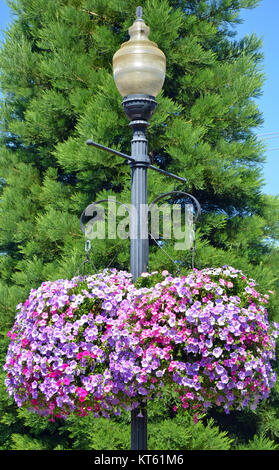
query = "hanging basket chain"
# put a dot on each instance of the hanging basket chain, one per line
(81, 268)
(88, 241)
(115, 256)
(193, 250)
(174, 262)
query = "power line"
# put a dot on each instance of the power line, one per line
(268, 133)
(273, 137)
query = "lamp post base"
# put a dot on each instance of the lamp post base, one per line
(139, 428)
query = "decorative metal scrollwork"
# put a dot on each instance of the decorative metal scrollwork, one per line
(198, 214)
(92, 208)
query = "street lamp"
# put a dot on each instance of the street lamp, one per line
(139, 68)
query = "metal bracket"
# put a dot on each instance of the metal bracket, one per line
(131, 159)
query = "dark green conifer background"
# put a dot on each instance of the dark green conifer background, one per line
(58, 91)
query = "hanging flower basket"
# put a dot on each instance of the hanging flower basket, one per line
(100, 344)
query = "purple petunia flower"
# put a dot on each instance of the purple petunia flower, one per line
(217, 352)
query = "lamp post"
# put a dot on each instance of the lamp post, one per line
(139, 72)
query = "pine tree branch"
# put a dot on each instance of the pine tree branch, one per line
(92, 13)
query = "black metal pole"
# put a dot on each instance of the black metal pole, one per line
(138, 226)
(139, 428)
(139, 250)
(139, 109)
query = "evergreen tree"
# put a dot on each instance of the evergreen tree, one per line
(58, 91)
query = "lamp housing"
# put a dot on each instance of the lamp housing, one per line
(139, 66)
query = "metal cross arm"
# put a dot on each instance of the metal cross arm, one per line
(107, 149)
(131, 159)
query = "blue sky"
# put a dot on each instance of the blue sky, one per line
(263, 21)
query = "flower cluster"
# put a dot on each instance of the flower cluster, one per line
(62, 341)
(208, 334)
(102, 343)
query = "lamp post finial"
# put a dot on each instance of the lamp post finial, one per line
(139, 13)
